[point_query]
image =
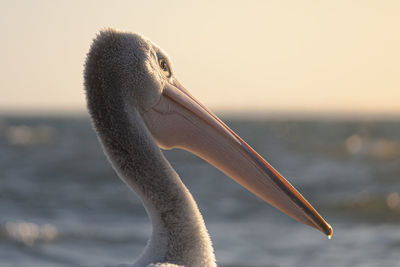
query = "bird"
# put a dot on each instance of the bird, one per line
(138, 108)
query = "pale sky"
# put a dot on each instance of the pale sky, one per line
(235, 56)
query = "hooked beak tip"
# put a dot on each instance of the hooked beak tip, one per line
(329, 231)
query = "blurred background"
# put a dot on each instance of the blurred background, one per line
(313, 86)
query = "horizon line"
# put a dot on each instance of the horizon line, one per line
(278, 114)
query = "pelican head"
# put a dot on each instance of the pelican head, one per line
(138, 106)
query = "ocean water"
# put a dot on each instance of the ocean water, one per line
(61, 204)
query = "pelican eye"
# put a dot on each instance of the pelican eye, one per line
(164, 67)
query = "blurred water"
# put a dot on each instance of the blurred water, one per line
(61, 204)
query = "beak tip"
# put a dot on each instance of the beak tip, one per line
(328, 231)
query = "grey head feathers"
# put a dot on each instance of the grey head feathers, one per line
(121, 66)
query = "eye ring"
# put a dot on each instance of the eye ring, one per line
(164, 67)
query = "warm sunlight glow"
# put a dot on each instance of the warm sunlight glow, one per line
(267, 56)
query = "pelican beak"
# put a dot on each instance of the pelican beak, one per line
(178, 120)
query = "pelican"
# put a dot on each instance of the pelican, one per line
(138, 107)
